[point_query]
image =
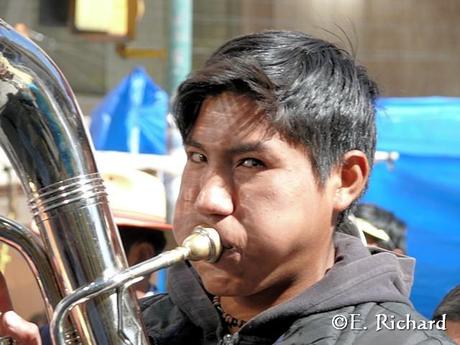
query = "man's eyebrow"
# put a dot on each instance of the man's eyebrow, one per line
(256, 146)
(194, 143)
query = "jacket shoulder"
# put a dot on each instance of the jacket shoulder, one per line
(367, 323)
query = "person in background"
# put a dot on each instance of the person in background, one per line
(138, 203)
(380, 227)
(450, 307)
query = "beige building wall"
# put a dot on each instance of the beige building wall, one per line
(410, 47)
(93, 67)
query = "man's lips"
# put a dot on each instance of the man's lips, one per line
(226, 245)
(229, 256)
(228, 251)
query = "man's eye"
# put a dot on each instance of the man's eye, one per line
(251, 163)
(197, 157)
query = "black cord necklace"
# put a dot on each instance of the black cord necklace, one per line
(228, 319)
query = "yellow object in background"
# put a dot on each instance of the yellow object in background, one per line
(5, 257)
(88, 16)
(107, 20)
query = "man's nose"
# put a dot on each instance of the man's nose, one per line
(215, 197)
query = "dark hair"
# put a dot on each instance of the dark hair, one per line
(133, 234)
(312, 93)
(450, 305)
(385, 220)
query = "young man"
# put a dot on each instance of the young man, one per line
(279, 132)
(138, 203)
(280, 137)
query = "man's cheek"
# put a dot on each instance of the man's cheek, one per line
(182, 213)
(188, 194)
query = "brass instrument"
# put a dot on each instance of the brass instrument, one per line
(78, 254)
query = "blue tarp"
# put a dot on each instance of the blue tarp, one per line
(423, 188)
(132, 117)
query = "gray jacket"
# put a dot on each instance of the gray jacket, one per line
(361, 300)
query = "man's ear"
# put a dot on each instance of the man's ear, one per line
(353, 174)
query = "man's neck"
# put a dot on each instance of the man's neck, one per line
(247, 307)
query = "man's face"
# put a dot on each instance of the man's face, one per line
(259, 192)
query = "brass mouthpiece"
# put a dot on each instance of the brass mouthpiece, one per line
(204, 244)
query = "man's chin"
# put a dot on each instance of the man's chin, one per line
(217, 281)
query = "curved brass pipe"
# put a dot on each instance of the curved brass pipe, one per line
(43, 135)
(31, 249)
